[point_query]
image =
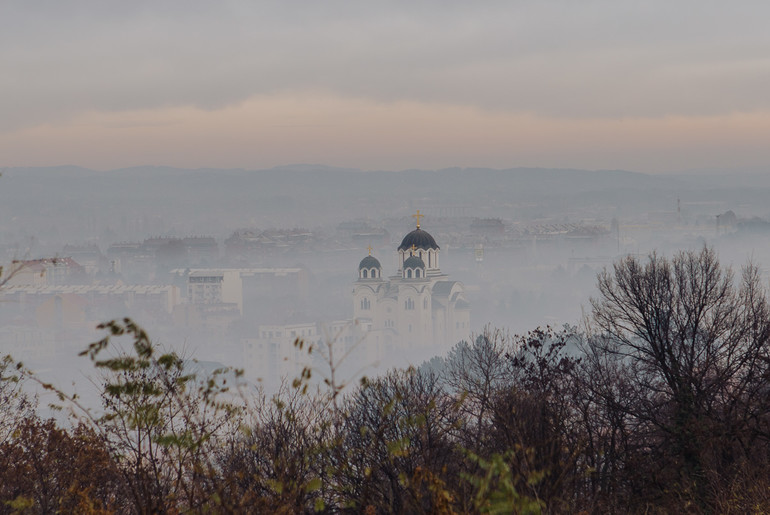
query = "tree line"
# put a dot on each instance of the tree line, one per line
(659, 403)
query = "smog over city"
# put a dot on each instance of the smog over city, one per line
(413, 257)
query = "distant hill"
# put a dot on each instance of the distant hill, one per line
(211, 201)
(309, 178)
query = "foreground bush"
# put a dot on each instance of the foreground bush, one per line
(661, 406)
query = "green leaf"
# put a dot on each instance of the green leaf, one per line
(313, 485)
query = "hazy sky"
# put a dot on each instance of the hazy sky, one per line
(643, 85)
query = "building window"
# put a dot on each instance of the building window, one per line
(365, 304)
(409, 304)
(417, 273)
(409, 274)
(364, 273)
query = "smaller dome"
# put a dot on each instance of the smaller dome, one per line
(414, 262)
(369, 262)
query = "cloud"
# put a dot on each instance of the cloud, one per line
(556, 59)
(270, 130)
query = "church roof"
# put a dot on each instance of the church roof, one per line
(414, 262)
(443, 288)
(369, 262)
(419, 239)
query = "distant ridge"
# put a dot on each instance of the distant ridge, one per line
(146, 183)
(171, 201)
(300, 180)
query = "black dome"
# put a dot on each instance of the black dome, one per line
(414, 262)
(420, 239)
(369, 262)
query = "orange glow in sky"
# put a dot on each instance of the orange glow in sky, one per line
(647, 86)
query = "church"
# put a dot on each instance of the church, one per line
(416, 308)
(405, 318)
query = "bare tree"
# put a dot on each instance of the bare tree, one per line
(396, 445)
(475, 372)
(695, 340)
(15, 403)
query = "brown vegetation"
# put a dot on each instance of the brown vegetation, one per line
(661, 405)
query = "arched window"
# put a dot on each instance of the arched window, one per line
(363, 273)
(417, 273)
(374, 273)
(409, 273)
(409, 304)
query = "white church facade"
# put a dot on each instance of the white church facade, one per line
(402, 319)
(417, 307)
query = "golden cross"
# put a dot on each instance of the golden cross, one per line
(418, 216)
(370, 249)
